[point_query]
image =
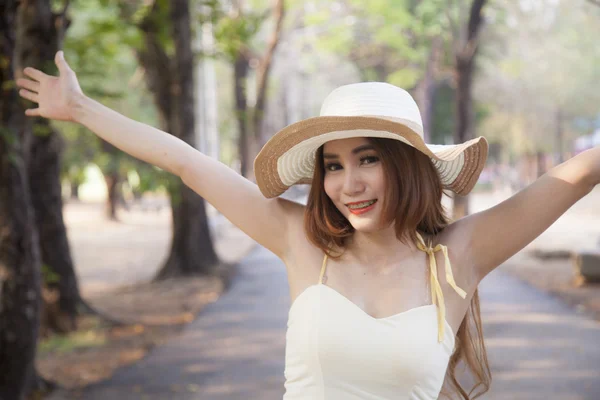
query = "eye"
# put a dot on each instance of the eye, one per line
(328, 167)
(364, 160)
(371, 159)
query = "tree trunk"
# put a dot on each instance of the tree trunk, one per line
(113, 179)
(74, 190)
(464, 77)
(192, 250)
(263, 73)
(424, 92)
(240, 76)
(465, 61)
(19, 247)
(560, 139)
(112, 186)
(172, 83)
(250, 119)
(39, 33)
(464, 73)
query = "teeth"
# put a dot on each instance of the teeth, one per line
(361, 205)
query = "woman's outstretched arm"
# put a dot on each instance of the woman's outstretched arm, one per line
(240, 200)
(496, 234)
(140, 140)
(61, 98)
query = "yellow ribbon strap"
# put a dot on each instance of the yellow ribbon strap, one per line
(437, 297)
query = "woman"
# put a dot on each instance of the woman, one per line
(371, 316)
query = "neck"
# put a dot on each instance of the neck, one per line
(377, 248)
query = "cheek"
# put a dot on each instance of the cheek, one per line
(379, 181)
(331, 187)
(327, 185)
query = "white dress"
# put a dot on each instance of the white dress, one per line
(336, 351)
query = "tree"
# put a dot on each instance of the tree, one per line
(113, 176)
(39, 35)
(234, 32)
(103, 64)
(379, 37)
(169, 75)
(465, 45)
(19, 254)
(402, 43)
(535, 78)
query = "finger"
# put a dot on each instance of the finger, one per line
(61, 63)
(34, 73)
(29, 95)
(33, 112)
(29, 84)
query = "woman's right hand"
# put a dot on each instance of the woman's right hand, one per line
(56, 96)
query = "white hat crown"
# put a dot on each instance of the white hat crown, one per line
(378, 99)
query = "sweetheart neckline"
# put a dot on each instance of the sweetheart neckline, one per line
(363, 312)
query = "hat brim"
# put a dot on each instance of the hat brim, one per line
(287, 158)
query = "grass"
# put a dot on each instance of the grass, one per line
(89, 334)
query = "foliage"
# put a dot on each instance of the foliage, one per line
(536, 74)
(77, 340)
(234, 29)
(386, 39)
(100, 47)
(49, 275)
(532, 61)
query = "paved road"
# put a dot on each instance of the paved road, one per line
(234, 350)
(538, 347)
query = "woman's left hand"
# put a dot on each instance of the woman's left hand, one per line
(57, 96)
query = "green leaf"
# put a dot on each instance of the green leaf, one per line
(49, 275)
(405, 78)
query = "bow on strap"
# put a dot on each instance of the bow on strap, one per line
(436, 290)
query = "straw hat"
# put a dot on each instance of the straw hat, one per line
(370, 109)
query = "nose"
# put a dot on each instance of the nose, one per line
(353, 183)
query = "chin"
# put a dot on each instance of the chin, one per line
(364, 225)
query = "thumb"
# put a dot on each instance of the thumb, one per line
(62, 65)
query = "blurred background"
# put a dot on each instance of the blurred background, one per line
(103, 257)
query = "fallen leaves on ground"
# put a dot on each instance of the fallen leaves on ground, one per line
(151, 312)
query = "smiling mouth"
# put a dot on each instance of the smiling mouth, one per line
(361, 205)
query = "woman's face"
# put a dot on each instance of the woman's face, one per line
(354, 174)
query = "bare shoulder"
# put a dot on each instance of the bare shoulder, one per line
(458, 242)
(302, 259)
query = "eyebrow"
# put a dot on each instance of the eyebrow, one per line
(355, 151)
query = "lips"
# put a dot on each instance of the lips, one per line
(360, 202)
(362, 210)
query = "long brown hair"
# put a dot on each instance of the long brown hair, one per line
(414, 203)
